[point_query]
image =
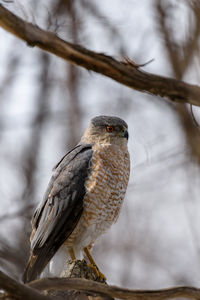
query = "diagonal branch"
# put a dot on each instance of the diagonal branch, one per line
(124, 73)
(18, 290)
(113, 291)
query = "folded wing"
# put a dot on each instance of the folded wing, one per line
(60, 210)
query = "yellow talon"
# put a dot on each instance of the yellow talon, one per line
(100, 275)
(93, 265)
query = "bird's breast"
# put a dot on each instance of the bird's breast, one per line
(105, 190)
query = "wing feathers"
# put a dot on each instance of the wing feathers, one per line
(60, 211)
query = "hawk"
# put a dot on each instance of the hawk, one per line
(84, 195)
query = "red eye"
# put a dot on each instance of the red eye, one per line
(109, 128)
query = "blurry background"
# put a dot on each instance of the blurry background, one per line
(46, 103)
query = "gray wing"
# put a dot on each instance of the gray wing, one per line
(60, 211)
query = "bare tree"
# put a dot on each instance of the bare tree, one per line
(63, 97)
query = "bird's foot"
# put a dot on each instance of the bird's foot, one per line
(101, 277)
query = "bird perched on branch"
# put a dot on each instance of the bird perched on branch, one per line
(84, 196)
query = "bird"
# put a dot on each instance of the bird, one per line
(84, 196)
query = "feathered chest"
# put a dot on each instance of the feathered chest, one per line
(107, 183)
(105, 190)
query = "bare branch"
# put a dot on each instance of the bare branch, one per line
(180, 63)
(18, 290)
(21, 291)
(173, 89)
(113, 291)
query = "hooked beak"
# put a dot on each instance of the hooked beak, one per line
(126, 134)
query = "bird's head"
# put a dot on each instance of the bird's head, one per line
(106, 130)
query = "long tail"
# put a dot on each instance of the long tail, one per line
(34, 267)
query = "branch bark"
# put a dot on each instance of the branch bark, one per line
(125, 73)
(16, 290)
(19, 291)
(113, 291)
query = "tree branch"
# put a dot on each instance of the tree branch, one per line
(113, 291)
(122, 72)
(18, 290)
(180, 58)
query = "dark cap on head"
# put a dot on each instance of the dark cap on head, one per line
(108, 121)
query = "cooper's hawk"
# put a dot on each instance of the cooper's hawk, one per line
(84, 196)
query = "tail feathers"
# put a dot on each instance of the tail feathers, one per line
(34, 267)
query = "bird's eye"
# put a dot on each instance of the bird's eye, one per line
(109, 128)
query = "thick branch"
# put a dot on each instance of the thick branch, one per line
(113, 291)
(18, 290)
(127, 74)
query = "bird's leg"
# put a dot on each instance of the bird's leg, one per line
(72, 254)
(93, 265)
(89, 256)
